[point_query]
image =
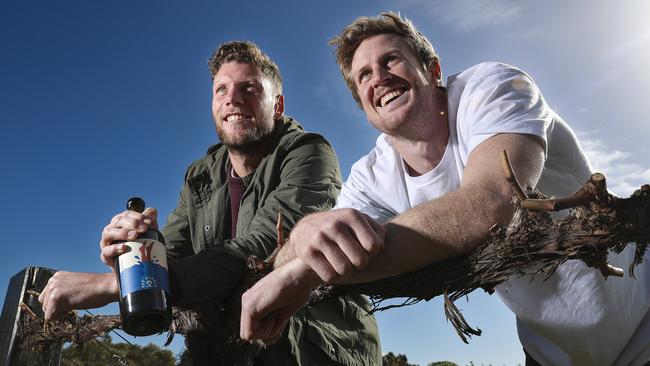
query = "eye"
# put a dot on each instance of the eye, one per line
(250, 88)
(221, 90)
(364, 75)
(391, 60)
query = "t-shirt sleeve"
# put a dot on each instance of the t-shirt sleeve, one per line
(360, 191)
(501, 100)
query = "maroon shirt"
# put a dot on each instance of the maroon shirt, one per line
(236, 188)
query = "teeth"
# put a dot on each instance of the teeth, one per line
(235, 117)
(386, 98)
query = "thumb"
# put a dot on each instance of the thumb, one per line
(152, 214)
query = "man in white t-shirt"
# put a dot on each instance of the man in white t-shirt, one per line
(433, 186)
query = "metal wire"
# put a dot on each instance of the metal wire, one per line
(114, 331)
(114, 354)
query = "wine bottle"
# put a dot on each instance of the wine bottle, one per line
(143, 281)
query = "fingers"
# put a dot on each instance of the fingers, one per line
(66, 291)
(268, 305)
(111, 252)
(255, 322)
(336, 243)
(53, 304)
(327, 259)
(370, 234)
(151, 217)
(42, 297)
(267, 328)
(126, 225)
(277, 323)
(281, 321)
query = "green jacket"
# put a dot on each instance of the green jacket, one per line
(299, 175)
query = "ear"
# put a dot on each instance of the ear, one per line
(436, 73)
(278, 107)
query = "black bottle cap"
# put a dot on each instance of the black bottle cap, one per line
(135, 204)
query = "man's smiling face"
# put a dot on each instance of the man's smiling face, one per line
(395, 89)
(244, 105)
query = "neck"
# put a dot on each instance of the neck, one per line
(420, 156)
(244, 163)
(424, 150)
(246, 159)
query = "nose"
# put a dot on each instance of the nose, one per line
(234, 97)
(380, 75)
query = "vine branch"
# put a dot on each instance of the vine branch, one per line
(532, 244)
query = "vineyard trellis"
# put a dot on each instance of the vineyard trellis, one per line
(533, 243)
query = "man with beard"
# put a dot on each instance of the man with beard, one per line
(228, 208)
(435, 182)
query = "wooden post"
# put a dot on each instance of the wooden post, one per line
(11, 352)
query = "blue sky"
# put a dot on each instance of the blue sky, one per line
(103, 101)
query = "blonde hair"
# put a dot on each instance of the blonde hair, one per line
(361, 28)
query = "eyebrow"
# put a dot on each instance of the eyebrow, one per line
(244, 82)
(388, 52)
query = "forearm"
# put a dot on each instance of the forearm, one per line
(284, 255)
(333, 243)
(458, 222)
(67, 291)
(435, 231)
(108, 282)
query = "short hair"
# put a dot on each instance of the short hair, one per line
(248, 53)
(361, 28)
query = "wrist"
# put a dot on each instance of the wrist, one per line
(285, 254)
(302, 275)
(110, 286)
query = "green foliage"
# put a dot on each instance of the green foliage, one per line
(98, 354)
(442, 363)
(390, 359)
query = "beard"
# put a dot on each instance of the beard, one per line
(249, 140)
(411, 123)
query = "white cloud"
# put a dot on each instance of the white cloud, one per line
(467, 15)
(623, 176)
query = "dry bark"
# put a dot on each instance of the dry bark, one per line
(532, 244)
(37, 333)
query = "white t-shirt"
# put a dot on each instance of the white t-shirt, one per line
(576, 317)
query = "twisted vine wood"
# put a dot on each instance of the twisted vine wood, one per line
(532, 244)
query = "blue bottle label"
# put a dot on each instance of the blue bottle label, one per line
(143, 267)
